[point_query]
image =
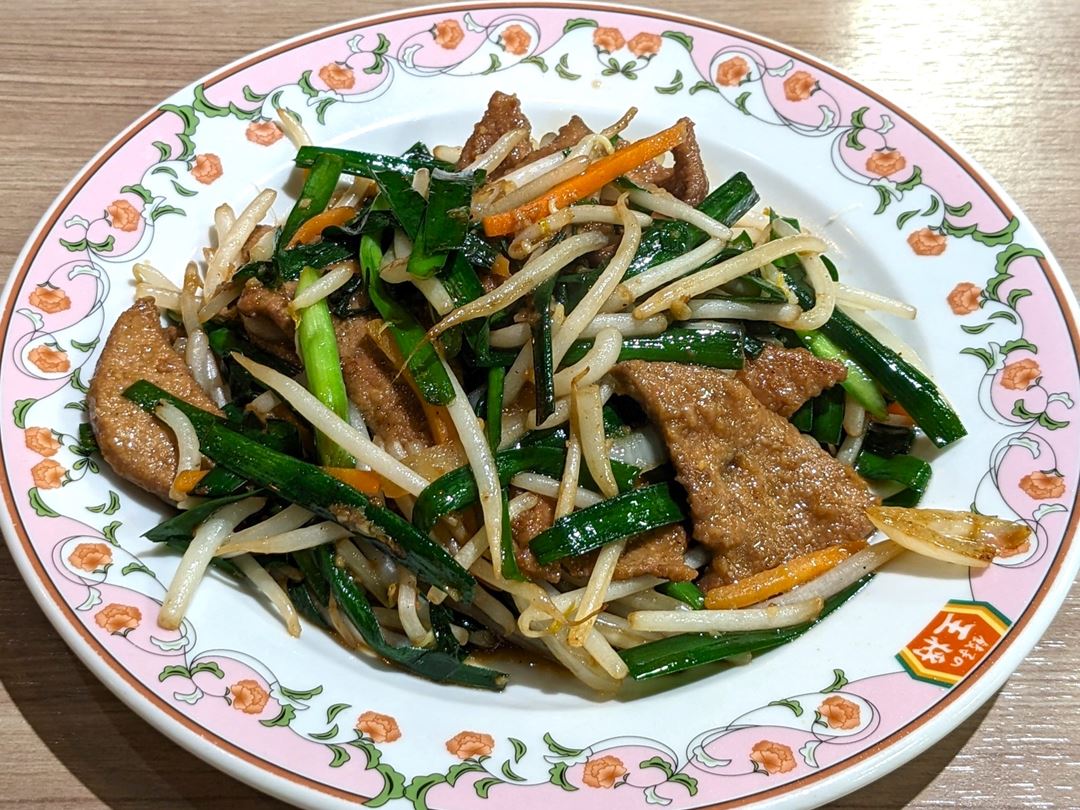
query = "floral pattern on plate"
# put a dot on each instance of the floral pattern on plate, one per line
(1001, 333)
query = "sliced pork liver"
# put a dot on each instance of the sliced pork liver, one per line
(657, 553)
(389, 406)
(134, 443)
(783, 379)
(524, 528)
(568, 135)
(759, 492)
(686, 179)
(503, 114)
(264, 313)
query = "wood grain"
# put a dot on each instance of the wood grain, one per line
(997, 77)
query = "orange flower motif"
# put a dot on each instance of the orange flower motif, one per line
(49, 299)
(123, 215)
(603, 772)
(248, 696)
(774, 757)
(799, 85)
(264, 133)
(644, 45)
(337, 76)
(448, 34)
(48, 474)
(42, 441)
(118, 619)
(1020, 375)
(207, 168)
(926, 242)
(49, 360)
(470, 744)
(840, 713)
(515, 40)
(964, 298)
(90, 556)
(381, 728)
(1043, 486)
(608, 40)
(732, 71)
(884, 162)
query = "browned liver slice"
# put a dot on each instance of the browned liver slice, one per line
(759, 492)
(657, 553)
(783, 379)
(134, 443)
(503, 114)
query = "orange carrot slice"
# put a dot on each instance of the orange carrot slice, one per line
(784, 577)
(367, 482)
(896, 409)
(594, 178)
(187, 481)
(313, 228)
(501, 266)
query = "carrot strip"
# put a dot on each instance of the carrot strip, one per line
(187, 481)
(594, 178)
(313, 228)
(896, 409)
(393, 491)
(367, 482)
(784, 577)
(442, 430)
(501, 266)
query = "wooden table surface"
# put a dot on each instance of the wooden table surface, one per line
(997, 77)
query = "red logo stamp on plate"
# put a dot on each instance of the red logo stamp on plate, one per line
(954, 642)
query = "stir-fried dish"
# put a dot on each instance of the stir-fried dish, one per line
(554, 392)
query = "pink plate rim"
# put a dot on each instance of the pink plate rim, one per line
(835, 781)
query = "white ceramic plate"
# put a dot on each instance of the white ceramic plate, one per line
(881, 680)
